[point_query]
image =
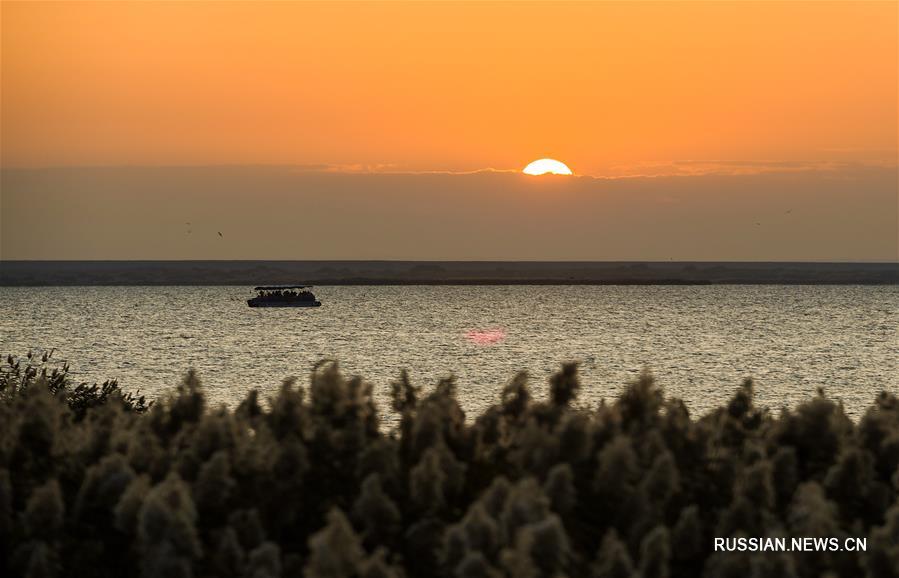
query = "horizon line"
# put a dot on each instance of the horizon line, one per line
(524, 261)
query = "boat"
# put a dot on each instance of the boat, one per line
(284, 296)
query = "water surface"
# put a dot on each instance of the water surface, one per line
(699, 341)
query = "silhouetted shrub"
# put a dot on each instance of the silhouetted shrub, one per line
(311, 484)
(19, 375)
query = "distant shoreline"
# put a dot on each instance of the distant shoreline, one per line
(238, 273)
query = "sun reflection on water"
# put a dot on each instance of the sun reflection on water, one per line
(486, 336)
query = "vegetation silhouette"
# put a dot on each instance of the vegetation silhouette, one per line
(18, 374)
(313, 485)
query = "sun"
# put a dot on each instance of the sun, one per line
(547, 166)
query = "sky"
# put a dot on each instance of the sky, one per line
(696, 130)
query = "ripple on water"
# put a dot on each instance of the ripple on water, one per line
(700, 342)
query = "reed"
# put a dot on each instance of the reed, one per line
(312, 484)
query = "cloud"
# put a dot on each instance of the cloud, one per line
(635, 170)
(732, 167)
(795, 213)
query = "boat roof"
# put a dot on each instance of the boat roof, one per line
(279, 287)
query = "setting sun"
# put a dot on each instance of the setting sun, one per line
(547, 166)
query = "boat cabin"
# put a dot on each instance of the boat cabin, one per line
(283, 296)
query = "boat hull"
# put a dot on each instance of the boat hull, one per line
(252, 303)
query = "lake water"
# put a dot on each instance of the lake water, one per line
(700, 342)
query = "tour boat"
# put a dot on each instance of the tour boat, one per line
(284, 296)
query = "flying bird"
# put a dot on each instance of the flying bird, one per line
(220, 234)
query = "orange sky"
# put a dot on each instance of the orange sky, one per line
(608, 88)
(732, 131)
